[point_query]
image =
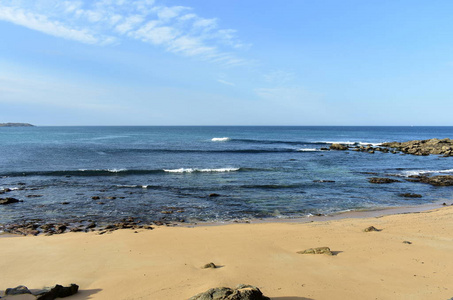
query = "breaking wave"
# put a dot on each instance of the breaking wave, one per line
(191, 170)
(422, 172)
(223, 139)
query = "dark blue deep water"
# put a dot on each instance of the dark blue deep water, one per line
(258, 172)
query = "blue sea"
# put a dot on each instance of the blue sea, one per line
(205, 174)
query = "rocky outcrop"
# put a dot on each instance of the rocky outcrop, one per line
(424, 147)
(241, 292)
(439, 180)
(380, 180)
(338, 147)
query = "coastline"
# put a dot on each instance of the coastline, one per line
(165, 263)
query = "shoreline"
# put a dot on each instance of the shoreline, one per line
(356, 214)
(410, 257)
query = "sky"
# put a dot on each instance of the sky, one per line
(226, 62)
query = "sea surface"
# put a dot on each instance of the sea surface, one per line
(197, 174)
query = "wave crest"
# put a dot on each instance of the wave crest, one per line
(192, 170)
(222, 139)
(421, 172)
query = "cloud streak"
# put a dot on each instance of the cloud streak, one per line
(176, 29)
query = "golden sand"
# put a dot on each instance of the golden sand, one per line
(166, 263)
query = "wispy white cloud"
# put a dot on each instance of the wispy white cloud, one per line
(176, 29)
(226, 82)
(42, 23)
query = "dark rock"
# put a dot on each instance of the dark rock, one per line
(214, 195)
(338, 147)
(241, 292)
(323, 180)
(380, 180)
(59, 292)
(91, 225)
(34, 196)
(319, 250)
(61, 228)
(95, 197)
(65, 203)
(371, 228)
(19, 290)
(410, 195)
(209, 266)
(407, 242)
(4, 201)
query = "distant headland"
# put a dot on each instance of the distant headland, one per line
(16, 125)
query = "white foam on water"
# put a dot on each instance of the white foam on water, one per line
(351, 143)
(421, 172)
(191, 170)
(223, 139)
(308, 150)
(116, 170)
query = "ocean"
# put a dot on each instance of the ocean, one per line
(207, 174)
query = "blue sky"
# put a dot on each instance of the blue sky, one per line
(226, 62)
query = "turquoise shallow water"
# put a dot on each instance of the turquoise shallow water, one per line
(257, 172)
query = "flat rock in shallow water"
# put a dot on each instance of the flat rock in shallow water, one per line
(380, 180)
(4, 201)
(410, 195)
(241, 292)
(440, 180)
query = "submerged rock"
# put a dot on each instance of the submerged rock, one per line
(4, 201)
(410, 195)
(439, 180)
(380, 180)
(241, 292)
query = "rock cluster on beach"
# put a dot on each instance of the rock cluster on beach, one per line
(35, 228)
(58, 291)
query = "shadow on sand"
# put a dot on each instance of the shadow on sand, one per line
(85, 294)
(291, 298)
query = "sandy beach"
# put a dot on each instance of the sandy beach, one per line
(166, 263)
